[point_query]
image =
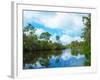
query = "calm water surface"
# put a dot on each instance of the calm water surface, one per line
(52, 59)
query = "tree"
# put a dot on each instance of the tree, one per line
(29, 38)
(75, 47)
(86, 35)
(45, 35)
(57, 38)
(29, 29)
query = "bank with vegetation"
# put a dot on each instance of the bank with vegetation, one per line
(33, 42)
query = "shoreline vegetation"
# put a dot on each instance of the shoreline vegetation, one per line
(32, 42)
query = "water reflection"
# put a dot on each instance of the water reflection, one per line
(52, 59)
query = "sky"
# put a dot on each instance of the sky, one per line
(68, 26)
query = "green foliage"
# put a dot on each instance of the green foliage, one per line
(87, 39)
(57, 38)
(45, 35)
(32, 42)
(29, 40)
(76, 47)
(83, 47)
(28, 28)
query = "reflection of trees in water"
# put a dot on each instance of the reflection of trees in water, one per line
(41, 56)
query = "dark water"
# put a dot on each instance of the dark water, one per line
(52, 59)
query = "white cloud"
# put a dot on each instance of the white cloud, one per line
(64, 20)
(53, 38)
(78, 39)
(28, 32)
(66, 39)
(57, 20)
(54, 21)
(39, 31)
(69, 23)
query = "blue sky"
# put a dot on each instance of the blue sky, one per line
(66, 25)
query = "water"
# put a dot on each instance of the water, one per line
(52, 59)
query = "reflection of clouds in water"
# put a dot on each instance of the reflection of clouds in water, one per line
(67, 55)
(66, 59)
(38, 64)
(54, 57)
(79, 56)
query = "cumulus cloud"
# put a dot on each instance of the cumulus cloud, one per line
(66, 39)
(64, 20)
(39, 31)
(70, 24)
(53, 38)
(54, 21)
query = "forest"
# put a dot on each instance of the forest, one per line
(43, 42)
